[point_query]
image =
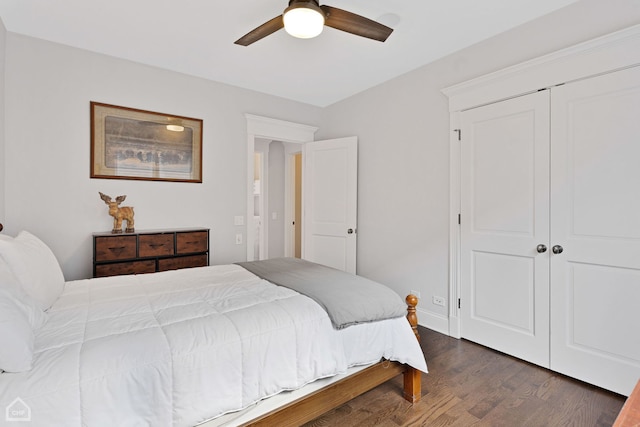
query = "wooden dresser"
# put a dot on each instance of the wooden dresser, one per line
(149, 251)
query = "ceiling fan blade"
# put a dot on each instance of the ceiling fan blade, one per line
(355, 24)
(262, 31)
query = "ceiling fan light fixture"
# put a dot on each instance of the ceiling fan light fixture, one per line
(303, 19)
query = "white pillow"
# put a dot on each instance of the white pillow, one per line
(9, 284)
(35, 266)
(16, 336)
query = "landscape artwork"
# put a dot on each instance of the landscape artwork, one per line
(135, 144)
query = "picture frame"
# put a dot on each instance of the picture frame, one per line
(128, 143)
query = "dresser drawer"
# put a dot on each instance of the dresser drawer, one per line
(152, 245)
(113, 248)
(191, 242)
(119, 268)
(182, 262)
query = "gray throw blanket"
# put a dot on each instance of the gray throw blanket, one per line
(348, 299)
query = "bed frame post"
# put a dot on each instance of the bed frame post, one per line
(412, 317)
(412, 376)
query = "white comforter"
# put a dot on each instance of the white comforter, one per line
(181, 347)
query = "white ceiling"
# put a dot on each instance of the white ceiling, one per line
(196, 37)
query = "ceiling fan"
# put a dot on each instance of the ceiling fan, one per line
(306, 18)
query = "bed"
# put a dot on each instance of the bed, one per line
(184, 347)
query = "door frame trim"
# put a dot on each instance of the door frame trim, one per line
(609, 53)
(274, 129)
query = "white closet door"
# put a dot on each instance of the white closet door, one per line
(505, 216)
(595, 217)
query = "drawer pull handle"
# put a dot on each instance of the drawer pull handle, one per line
(156, 245)
(118, 248)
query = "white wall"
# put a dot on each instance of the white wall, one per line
(3, 38)
(403, 130)
(48, 190)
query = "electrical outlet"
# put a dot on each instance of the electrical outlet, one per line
(238, 239)
(416, 293)
(438, 301)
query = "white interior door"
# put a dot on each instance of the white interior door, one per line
(595, 218)
(504, 217)
(330, 182)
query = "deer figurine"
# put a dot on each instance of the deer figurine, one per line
(119, 213)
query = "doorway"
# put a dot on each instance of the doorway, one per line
(275, 198)
(264, 128)
(328, 199)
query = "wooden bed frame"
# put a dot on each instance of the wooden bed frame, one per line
(317, 403)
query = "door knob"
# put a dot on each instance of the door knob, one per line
(350, 231)
(541, 248)
(557, 249)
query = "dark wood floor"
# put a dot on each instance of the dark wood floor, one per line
(470, 385)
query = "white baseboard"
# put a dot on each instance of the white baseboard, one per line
(433, 321)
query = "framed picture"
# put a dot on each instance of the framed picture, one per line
(135, 144)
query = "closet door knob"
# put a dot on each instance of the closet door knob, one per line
(557, 249)
(541, 248)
